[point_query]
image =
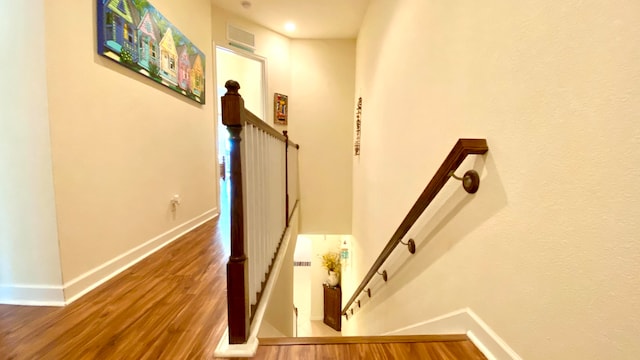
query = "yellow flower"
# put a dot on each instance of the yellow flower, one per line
(331, 261)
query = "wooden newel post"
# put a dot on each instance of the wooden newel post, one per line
(286, 177)
(237, 267)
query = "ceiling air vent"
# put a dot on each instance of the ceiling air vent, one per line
(241, 38)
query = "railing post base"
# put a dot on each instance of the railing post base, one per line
(238, 301)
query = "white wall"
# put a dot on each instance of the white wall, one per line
(29, 253)
(318, 76)
(321, 121)
(123, 145)
(247, 71)
(270, 45)
(546, 252)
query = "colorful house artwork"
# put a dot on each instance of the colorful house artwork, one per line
(135, 34)
(121, 18)
(197, 76)
(169, 58)
(148, 41)
(184, 67)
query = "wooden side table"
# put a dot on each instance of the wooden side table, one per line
(332, 304)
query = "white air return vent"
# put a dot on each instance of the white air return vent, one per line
(241, 38)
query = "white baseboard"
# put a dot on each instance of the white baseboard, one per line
(464, 321)
(33, 295)
(95, 277)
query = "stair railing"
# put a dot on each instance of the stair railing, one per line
(263, 195)
(470, 181)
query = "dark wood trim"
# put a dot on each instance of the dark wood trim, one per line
(232, 105)
(237, 267)
(237, 115)
(332, 300)
(248, 117)
(295, 206)
(286, 177)
(460, 151)
(360, 339)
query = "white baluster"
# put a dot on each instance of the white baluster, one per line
(260, 207)
(257, 274)
(246, 184)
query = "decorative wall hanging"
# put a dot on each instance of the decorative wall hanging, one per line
(134, 34)
(280, 108)
(356, 145)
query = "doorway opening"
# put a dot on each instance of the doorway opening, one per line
(249, 70)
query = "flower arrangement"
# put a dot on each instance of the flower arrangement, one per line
(331, 261)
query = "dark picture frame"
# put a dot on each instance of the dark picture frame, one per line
(280, 109)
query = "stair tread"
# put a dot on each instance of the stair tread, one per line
(360, 339)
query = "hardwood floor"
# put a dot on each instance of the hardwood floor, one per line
(171, 305)
(450, 350)
(430, 347)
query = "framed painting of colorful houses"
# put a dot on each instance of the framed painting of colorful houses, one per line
(134, 34)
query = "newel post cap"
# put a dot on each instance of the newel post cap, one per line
(232, 105)
(232, 87)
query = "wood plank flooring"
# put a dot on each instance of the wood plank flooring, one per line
(449, 350)
(427, 347)
(171, 305)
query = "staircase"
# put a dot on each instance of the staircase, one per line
(443, 347)
(264, 198)
(171, 305)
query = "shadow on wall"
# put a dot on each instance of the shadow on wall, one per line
(459, 215)
(469, 211)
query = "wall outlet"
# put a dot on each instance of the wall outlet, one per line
(175, 201)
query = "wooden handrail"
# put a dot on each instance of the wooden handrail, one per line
(248, 117)
(286, 180)
(460, 151)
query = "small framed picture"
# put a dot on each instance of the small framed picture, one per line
(280, 109)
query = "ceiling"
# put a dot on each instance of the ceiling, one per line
(314, 19)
